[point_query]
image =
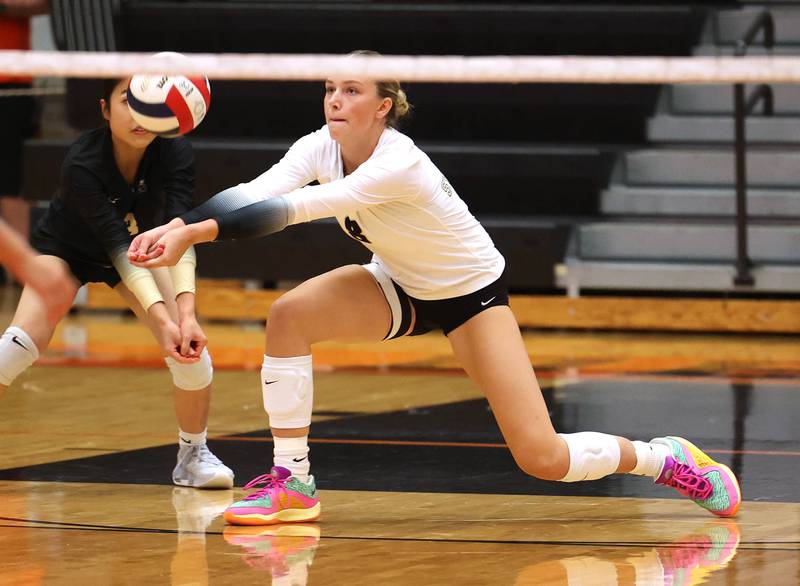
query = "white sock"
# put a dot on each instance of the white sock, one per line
(192, 439)
(650, 458)
(292, 453)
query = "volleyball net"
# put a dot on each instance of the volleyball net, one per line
(444, 69)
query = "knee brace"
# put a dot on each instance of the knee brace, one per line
(592, 455)
(192, 377)
(17, 352)
(288, 389)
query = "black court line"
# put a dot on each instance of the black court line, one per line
(40, 524)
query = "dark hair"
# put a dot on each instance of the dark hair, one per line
(108, 87)
(401, 107)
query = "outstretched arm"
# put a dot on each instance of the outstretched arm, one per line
(214, 220)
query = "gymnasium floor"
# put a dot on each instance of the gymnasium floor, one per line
(416, 485)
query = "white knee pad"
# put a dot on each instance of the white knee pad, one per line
(288, 388)
(192, 377)
(17, 352)
(592, 455)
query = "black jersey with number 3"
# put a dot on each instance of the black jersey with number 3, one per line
(95, 212)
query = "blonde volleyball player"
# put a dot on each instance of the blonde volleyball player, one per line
(115, 181)
(434, 267)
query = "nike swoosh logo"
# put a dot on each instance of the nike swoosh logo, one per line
(184, 440)
(18, 343)
(488, 301)
(300, 460)
(270, 382)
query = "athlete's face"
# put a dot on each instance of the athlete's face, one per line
(123, 127)
(353, 108)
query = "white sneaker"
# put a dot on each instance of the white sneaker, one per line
(199, 468)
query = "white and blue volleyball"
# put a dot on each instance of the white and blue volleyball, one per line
(168, 105)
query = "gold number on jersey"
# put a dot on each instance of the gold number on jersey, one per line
(130, 222)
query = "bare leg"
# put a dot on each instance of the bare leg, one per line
(17, 212)
(490, 348)
(31, 312)
(343, 304)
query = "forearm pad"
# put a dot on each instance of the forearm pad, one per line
(236, 221)
(138, 280)
(183, 273)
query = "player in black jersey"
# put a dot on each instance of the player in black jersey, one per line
(115, 181)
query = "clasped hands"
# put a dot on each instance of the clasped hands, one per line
(162, 246)
(184, 341)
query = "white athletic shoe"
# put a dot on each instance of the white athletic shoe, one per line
(199, 468)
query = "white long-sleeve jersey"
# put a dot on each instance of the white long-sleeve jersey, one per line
(397, 204)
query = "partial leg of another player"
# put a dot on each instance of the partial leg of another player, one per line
(345, 304)
(196, 465)
(490, 348)
(29, 332)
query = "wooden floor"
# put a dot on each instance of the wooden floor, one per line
(87, 436)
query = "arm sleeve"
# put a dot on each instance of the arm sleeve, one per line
(183, 273)
(234, 221)
(179, 177)
(85, 192)
(138, 280)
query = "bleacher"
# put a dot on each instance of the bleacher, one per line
(668, 214)
(610, 186)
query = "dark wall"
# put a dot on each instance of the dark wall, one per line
(522, 112)
(529, 159)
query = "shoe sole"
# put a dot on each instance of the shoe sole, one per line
(217, 481)
(250, 533)
(689, 449)
(284, 516)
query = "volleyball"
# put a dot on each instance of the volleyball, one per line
(168, 105)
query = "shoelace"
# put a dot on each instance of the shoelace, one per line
(269, 481)
(686, 480)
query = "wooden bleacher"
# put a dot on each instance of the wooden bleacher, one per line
(229, 300)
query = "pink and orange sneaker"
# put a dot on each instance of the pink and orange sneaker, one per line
(282, 498)
(694, 474)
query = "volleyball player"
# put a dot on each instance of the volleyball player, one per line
(434, 267)
(115, 181)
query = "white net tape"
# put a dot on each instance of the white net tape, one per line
(405, 68)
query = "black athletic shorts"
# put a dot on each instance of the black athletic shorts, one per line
(86, 271)
(439, 314)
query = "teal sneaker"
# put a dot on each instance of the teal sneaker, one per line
(693, 473)
(282, 498)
